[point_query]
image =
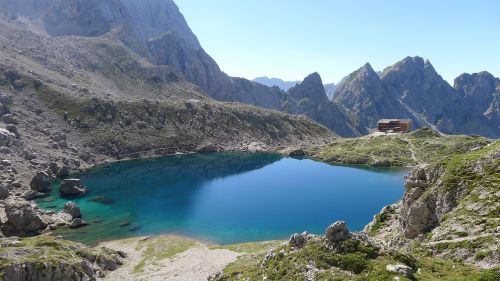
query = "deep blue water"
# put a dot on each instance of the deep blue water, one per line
(227, 197)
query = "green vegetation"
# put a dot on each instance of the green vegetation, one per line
(162, 247)
(410, 149)
(349, 260)
(45, 252)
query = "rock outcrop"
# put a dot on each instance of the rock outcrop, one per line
(72, 209)
(299, 240)
(41, 182)
(51, 259)
(337, 232)
(22, 219)
(427, 200)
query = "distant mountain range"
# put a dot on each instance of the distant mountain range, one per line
(272, 82)
(286, 85)
(410, 88)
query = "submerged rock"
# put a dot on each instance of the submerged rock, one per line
(77, 223)
(72, 188)
(337, 232)
(102, 200)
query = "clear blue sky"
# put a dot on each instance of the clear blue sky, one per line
(290, 39)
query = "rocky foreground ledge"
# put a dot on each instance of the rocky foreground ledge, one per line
(46, 258)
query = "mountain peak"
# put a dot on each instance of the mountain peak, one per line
(313, 78)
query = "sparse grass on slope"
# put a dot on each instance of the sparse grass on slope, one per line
(349, 260)
(46, 254)
(410, 149)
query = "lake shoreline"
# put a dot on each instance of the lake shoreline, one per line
(209, 196)
(178, 258)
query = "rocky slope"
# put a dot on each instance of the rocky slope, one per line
(46, 258)
(340, 255)
(482, 93)
(449, 210)
(450, 206)
(413, 89)
(157, 32)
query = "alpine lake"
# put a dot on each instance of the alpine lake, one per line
(226, 198)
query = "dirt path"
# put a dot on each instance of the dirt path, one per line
(411, 147)
(168, 258)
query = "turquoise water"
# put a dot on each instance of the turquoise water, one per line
(226, 197)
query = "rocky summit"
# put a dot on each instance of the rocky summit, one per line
(412, 89)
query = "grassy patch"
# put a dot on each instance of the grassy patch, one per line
(161, 247)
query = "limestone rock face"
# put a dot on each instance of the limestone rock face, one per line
(366, 96)
(41, 182)
(72, 188)
(309, 98)
(426, 201)
(22, 219)
(34, 271)
(154, 29)
(482, 92)
(337, 232)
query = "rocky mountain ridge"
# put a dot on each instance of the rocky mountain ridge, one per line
(156, 31)
(413, 89)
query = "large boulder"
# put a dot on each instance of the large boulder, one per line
(41, 182)
(72, 188)
(77, 223)
(22, 219)
(72, 209)
(337, 232)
